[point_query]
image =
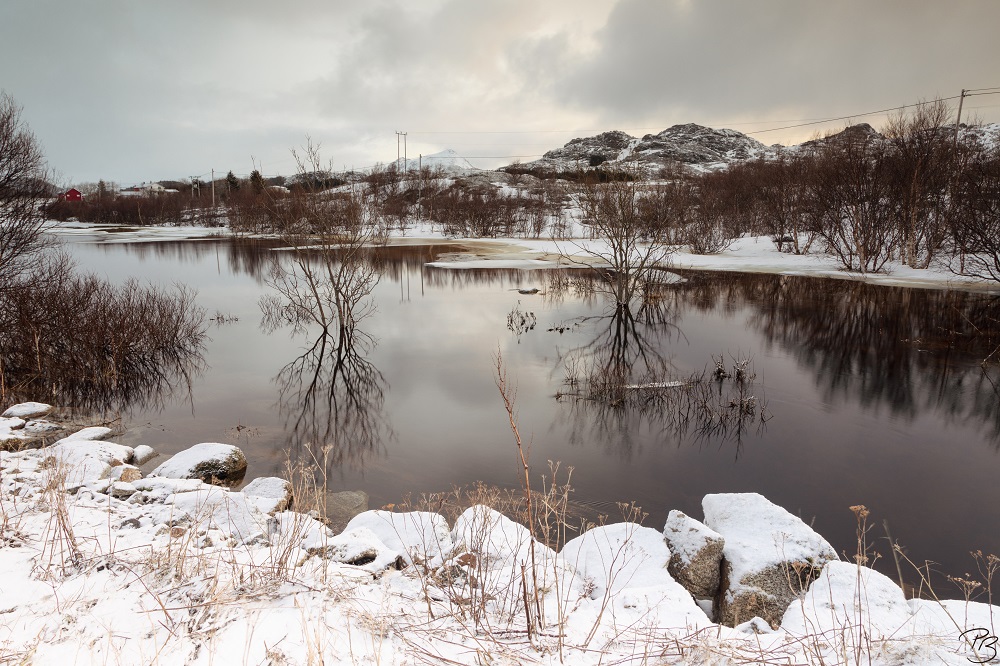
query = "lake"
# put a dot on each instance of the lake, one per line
(873, 395)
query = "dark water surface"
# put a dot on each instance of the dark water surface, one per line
(876, 394)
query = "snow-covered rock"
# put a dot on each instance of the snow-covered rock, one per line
(270, 493)
(496, 553)
(85, 460)
(211, 507)
(125, 472)
(27, 410)
(848, 597)
(423, 537)
(769, 559)
(143, 454)
(623, 567)
(91, 433)
(359, 547)
(696, 554)
(211, 462)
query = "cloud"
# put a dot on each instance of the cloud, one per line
(136, 91)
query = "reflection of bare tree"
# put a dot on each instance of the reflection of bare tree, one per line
(86, 345)
(333, 397)
(622, 382)
(911, 350)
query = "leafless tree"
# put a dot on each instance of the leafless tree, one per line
(633, 240)
(978, 197)
(921, 167)
(23, 188)
(327, 275)
(849, 192)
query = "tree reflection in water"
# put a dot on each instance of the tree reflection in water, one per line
(911, 350)
(622, 380)
(331, 397)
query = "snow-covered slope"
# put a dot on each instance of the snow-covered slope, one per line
(447, 160)
(692, 145)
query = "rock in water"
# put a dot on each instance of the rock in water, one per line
(341, 507)
(27, 410)
(770, 556)
(221, 464)
(696, 554)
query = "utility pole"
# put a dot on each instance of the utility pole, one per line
(400, 134)
(958, 118)
(213, 188)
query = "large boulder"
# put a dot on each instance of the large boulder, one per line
(27, 410)
(422, 537)
(695, 554)
(269, 493)
(84, 460)
(221, 464)
(623, 569)
(770, 557)
(342, 506)
(846, 595)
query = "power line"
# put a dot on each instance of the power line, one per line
(804, 122)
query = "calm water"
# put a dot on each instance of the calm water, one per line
(876, 395)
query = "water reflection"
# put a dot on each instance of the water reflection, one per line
(909, 350)
(331, 397)
(622, 382)
(332, 401)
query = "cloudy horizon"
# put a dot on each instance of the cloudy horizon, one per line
(132, 92)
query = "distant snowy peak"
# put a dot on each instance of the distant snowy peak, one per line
(693, 145)
(447, 160)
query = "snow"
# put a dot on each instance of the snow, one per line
(421, 536)
(269, 493)
(199, 459)
(848, 595)
(760, 534)
(27, 410)
(143, 454)
(183, 572)
(687, 536)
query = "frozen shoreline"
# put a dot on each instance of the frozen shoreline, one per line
(103, 566)
(750, 254)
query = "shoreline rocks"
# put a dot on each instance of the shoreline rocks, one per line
(212, 462)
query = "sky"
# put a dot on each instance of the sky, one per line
(131, 91)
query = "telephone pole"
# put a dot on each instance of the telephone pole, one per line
(213, 188)
(398, 135)
(958, 118)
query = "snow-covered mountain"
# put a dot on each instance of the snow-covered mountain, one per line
(696, 146)
(447, 160)
(700, 148)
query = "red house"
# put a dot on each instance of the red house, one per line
(72, 194)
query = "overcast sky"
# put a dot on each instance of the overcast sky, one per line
(136, 90)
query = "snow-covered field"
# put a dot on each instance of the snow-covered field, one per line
(101, 566)
(753, 254)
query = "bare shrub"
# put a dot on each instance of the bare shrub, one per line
(83, 343)
(22, 187)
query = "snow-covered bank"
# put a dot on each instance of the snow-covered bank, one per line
(104, 567)
(752, 254)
